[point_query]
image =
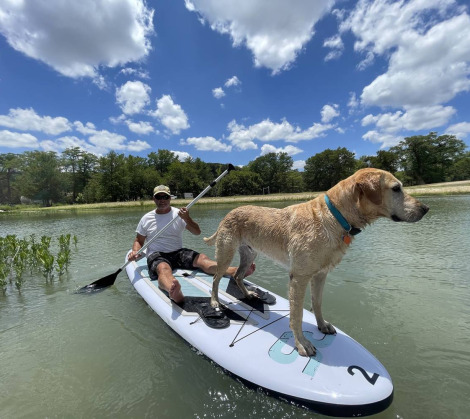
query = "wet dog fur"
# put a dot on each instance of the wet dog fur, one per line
(307, 239)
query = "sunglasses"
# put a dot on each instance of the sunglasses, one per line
(160, 197)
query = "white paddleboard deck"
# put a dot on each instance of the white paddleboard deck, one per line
(343, 379)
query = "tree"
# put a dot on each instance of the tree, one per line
(93, 191)
(448, 150)
(41, 178)
(9, 169)
(428, 158)
(161, 160)
(385, 160)
(240, 182)
(460, 170)
(70, 158)
(182, 177)
(323, 170)
(114, 177)
(273, 169)
(137, 167)
(295, 181)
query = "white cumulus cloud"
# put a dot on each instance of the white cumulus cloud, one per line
(290, 149)
(77, 37)
(133, 96)
(329, 112)
(460, 130)
(108, 140)
(138, 145)
(244, 137)
(218, 92)
(141, 127)
(232, 81)
(427, 45)
(413, 119)
(29, 120)
(385, 139)
(15, 139)
(171, 115)
(274, 31)
(206, 144)
(299, 165)
(182, 155)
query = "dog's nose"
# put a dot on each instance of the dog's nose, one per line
(425, 209)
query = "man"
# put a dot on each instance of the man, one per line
(167, 253)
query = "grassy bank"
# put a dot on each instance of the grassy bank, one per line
(448, 188)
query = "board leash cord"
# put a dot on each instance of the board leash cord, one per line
(234, 341)
(257, 330)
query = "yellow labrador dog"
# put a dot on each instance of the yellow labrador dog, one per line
(311, 238)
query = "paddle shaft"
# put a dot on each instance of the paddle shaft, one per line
(213, 183)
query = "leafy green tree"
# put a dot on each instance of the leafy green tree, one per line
(448, 150)
(203, 170)
(240, 182)
(460, 170)
(273, 169)
(161, 160)
(114, 177)
(385, 160)
(428, 158)
(41, 177)
(9, 169)
(182, 178)
(323, 170)
(137, 167)
(151, 179)
(295, 181)
(93, 190)
(70, 158)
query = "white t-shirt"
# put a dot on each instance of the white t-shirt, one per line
(171, 239)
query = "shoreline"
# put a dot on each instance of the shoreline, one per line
(444, 189)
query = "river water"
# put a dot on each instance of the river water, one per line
(402, 291)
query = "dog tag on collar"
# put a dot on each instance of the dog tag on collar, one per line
(347, 239)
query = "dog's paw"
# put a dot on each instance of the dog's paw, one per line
(306, 348)
(327, 328)
(252, 294)
(215, 304)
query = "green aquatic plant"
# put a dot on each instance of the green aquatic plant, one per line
(18, 257)
(3, 275)
(63, 257)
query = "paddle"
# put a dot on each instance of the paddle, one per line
(108, 280)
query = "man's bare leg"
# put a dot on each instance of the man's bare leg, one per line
(168, 282)
(210, 267)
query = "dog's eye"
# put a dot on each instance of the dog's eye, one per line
(396, 188)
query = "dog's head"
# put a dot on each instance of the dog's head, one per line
(380, 193)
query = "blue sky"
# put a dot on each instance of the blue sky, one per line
(228, 81)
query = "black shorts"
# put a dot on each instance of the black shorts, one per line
(179, 259)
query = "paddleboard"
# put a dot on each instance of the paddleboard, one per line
(252, 340)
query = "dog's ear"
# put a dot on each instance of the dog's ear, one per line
(369, 186)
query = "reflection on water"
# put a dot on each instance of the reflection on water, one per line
(402, 291)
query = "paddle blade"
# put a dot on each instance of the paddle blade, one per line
(100, 284)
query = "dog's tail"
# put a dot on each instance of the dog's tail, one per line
(210, 241)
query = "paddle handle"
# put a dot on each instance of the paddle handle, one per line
(212, 184)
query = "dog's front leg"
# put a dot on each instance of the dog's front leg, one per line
(297, 287)
(215, 290)
(316, 286)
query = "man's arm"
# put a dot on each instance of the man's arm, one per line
(191, 225)
(136, 246)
